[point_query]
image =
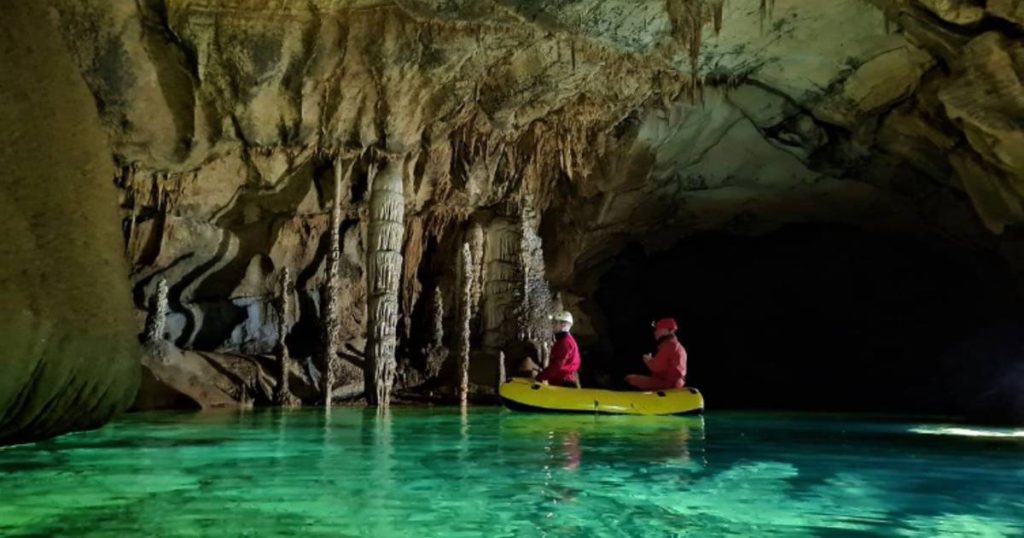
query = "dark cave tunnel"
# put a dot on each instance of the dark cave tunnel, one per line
(821, 318)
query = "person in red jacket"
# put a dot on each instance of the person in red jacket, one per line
(564, 360)
(668, 366)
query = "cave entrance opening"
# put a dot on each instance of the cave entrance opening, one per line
(816, 317)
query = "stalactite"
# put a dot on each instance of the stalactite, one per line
(283, 394)
(157, 319)
(384, 268)
(411, 286)
(465, 313)
(695, 39)
(476, 248)
(503, 284)
(329, 294)
(536, 304)
(766, 11)
(688, 18)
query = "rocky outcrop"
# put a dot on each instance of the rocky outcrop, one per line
(70, 357)
(556, 132)
(986, 98)
(175, 379)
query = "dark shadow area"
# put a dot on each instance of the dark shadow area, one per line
(825, 318)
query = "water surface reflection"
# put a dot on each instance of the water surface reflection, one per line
(489, 472)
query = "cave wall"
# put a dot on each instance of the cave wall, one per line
(70, 357)
(846, 114)
(561, 130)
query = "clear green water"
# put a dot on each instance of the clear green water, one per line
(493, 473)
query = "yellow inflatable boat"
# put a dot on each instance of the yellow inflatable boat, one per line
(528, 395)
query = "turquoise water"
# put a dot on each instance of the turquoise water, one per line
(423, 472)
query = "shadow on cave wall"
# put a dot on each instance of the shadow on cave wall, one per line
(822, 317)
(254, 222)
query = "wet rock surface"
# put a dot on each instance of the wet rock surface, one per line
(69, 355)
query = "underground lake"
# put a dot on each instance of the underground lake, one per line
(492, 472)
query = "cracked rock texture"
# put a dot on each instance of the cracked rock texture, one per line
(577, 125)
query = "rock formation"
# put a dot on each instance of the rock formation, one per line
(465, 315)
(435, 353)
(156, 321)
(558, 132)
(384, 265)
(329, 295)
(282, 391)
(70, 353)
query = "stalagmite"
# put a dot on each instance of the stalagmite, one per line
(329, 294)
(501, 368)
(157, 318)
(283, 394)
(435, 352)
(465, 314)
(384, 269)
(437, 318)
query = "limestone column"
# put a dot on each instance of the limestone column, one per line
(384, 270)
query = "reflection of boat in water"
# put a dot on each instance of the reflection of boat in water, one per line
(595, 425)
(527, 395)
(574, 439)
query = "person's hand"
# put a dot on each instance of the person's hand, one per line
(647, 357)
(544, 382)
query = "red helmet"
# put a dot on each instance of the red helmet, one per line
(667, 324)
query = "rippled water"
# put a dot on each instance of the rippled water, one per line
(425, 472)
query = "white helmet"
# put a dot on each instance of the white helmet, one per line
(562, 316)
